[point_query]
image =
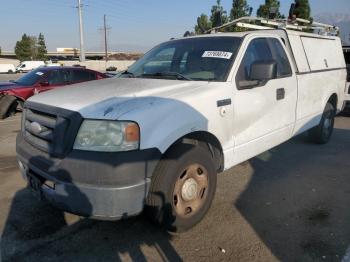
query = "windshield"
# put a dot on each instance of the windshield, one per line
(201, 59)
(30, 78)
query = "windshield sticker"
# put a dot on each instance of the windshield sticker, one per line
(39, 73)
(217, 54)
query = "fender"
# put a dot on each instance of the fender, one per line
(15, 94)
(164, 121)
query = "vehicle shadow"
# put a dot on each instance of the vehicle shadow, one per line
(37, 231)
(297, 200)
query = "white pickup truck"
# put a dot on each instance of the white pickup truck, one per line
(156, 138)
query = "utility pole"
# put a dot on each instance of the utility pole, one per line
(105, 31)
(81, 30)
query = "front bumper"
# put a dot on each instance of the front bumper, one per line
(92, 184)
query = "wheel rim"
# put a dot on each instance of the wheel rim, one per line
(191, 190)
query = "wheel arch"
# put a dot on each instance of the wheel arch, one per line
(333, 99)
(204, 139)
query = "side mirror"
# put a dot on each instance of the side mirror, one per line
(263, 71)
(44, 83)
(260, 73)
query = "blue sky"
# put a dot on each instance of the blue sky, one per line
(134, 24)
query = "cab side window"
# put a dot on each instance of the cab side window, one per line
(279, 55)
(257, 51)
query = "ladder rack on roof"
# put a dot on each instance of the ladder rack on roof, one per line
(259, 23)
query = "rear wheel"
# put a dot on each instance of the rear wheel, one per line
(8, 106)
(183, 187)
(322, 133)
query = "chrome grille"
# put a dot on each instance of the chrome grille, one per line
(39, 129)
(50, 129)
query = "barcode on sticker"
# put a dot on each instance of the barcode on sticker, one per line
(217, 54)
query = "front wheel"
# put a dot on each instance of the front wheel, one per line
(322, 133)
(8, 106)
(183, 187)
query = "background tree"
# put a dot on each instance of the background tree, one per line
(23, 48)
(41, 48)
(264, 10)
(218, 15)
(240, 8)
(203, 24)
(302, 9)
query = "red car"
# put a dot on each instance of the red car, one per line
(14, 93)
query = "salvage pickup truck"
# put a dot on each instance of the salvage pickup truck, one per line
(155, 138)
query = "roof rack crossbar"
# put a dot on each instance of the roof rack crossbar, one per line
(259, 23)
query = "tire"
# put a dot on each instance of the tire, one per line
(8, 106)
(10, 72)
(322, 133)
(182, 188)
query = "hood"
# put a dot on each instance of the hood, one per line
(110, 98)
(7, 85)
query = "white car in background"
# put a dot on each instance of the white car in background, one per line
(7, 68)
(27, 66)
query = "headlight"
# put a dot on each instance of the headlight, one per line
(107, 136)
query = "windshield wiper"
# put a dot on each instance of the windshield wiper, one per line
(174, 74)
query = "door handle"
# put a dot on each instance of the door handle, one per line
(280, 93)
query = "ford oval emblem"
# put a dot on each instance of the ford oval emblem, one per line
(36, 127)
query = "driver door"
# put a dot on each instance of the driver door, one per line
(264, 115)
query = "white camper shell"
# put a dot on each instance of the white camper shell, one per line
(156, 137)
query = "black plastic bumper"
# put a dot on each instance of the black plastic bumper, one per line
(92, 184)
